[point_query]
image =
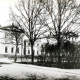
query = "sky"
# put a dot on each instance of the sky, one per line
(4, 11)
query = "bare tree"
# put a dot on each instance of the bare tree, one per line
(61, 21)
(17, 33)
(28, 14)
(13, 32)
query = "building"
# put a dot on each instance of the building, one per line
(8, 45)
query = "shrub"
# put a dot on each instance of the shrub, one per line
(34, 77)
(6, 78)
(62, 79)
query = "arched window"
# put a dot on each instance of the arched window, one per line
(28, 43)
(5, 49)
(37, 52)
(37, 44)
(28, 51)
(12, 49)
(18, 50)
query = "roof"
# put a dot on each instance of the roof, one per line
(12, 28)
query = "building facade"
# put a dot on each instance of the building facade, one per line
(8, 45)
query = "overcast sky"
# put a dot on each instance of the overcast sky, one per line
(4, 11)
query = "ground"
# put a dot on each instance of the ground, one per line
(20, 71)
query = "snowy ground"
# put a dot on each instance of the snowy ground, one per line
(20, 71)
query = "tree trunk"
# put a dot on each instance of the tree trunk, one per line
(32, 54)
(59, 30)
(21, 49)
(59, 45)
(16, 51)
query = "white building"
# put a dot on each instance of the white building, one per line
(8, 45)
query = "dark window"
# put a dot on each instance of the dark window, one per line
(28, 51)
(37, 52)
(28, 43)
(42, 46)
(24, 47)
(12, 50)
(5, 49)
(37, 44)
(18, 50)
(41, 1)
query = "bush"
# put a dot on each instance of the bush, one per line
(68, 65)
(6, 78)
(62, 79)
(34, 77)
(31, 77)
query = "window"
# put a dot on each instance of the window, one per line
(18, 50)
(42, 46)
(6, 34)
(41, 1)
(5, 49)
(37, 52)
(34, 51)
(37, 44)
(28, 43)
(24, 47)
(28, 51)
(12, 50)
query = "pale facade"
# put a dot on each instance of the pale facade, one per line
(8, 47)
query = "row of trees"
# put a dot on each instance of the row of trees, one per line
(70, 55)
(68, 49)
(39, 19)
